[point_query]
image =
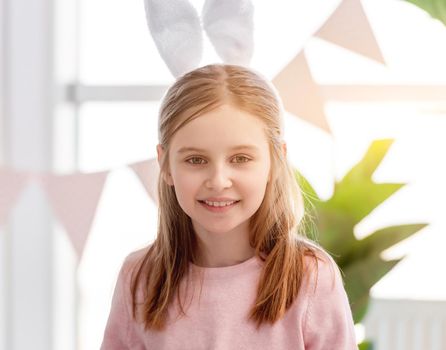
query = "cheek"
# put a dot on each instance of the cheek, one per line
(255, 184)
(186, 185)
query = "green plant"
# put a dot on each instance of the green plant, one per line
(355, 197)
(366, 345)
(436, 8)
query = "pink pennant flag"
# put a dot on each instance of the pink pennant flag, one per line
(74, 199)
(148, 172)
(349, 27)
(300, 94)
(11, 184)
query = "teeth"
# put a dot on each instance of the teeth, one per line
(219, 204)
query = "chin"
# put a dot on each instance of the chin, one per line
(215, 229)
(218, 230)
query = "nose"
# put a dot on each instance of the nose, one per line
(219, 178)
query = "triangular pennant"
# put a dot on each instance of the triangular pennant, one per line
(11, 184)
(300, 94)
(349, 27)
(74, 199)
(148, 172)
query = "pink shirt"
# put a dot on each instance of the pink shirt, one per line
(319, 319)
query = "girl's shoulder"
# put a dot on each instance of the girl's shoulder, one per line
(328, 317)
(135, 256)
(129, 269)
(322, 272)
(132, 261)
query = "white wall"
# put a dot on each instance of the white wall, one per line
(27, 111)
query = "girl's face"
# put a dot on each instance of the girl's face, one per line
(221, 156)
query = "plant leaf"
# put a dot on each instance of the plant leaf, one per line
(366, 345)
(436, 8)
(360, 276)
(376, 242)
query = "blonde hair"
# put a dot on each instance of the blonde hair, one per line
(275, 229)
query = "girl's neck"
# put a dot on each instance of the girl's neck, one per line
(220, 249)
(222, 258)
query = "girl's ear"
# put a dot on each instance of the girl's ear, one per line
(159, 152)
(165, 176)
(168, 179)
(284, 148)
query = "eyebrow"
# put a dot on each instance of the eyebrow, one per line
(235, 148)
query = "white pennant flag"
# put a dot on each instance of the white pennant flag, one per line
(74, 199)
(300, 94)
(349, 27)
(148, 172)
(11, 185)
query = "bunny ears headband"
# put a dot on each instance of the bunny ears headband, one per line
(177, 31)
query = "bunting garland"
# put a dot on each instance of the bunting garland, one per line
(148, 172)
(347, 27)
(12, 184)
(73, 198)
(299, 92)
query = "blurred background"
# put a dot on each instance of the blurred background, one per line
(81, 83)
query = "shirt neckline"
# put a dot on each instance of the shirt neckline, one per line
(226, 271)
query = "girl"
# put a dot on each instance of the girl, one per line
(230, 267)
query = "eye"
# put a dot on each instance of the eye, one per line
(194, 160)
(242, 159)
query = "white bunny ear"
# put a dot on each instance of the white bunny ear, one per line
(229, 26)
(176, 30)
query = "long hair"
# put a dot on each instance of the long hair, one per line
(275, 228)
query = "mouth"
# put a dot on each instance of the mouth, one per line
(218, 209)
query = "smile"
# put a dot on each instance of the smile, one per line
(218, 207)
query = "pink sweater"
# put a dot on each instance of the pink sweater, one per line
(319, 319)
